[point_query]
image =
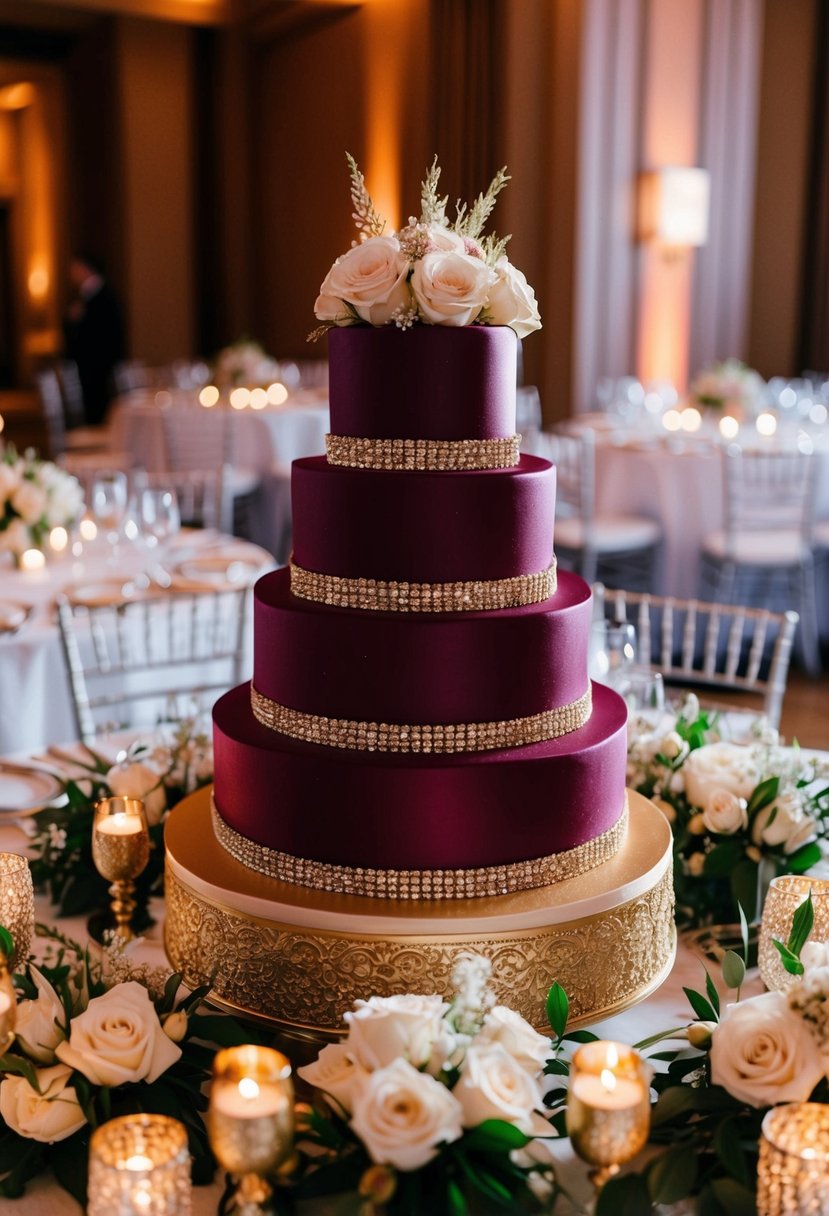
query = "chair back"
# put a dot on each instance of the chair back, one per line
(575, 459)
(72, 393)
(205, 498)
(138, 662)
(720, 646)
(51, 404)
(197, 438)
(768, 492)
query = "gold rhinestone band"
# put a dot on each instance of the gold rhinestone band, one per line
(421, 884)
(423, 454)
(376, 595)
(441, 738)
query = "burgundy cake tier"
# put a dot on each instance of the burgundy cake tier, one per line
(428, 382)
(423, 527)
(422, 668)
(419, 812)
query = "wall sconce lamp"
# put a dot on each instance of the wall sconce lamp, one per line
(672, 207)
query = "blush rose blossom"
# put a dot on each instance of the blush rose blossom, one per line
(371, 277)
(402, 1116)
(451, 288)
(48, 1116)
(385, 1028)
(118, 1039)
(764, 1053)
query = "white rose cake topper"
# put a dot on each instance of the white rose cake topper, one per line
(433, 271)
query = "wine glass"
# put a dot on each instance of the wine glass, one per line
(612, 651)
(160, 520)
(108, 502)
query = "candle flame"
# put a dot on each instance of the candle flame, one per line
(608, 1080)
(611, 1056)
(138, 1162)
(248, 1088)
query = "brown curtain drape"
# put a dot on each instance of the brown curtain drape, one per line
(814, 345)
(467, 78)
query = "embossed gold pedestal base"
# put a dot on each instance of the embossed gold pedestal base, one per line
(297, 958)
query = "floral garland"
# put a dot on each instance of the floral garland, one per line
(432, 271)
(61, 845)
(97, 1039)
(738, 812)
(35, 496)
(244, 363)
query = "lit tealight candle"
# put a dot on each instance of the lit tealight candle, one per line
(120, 824)
(277, 393)
(251, 1117)
(58, 539)
(608, 1106)
(32, 559)
(672, 420)
(88, 528)
(766, 424)
(258, 399)
(240, 398)
(729, 427)
(209, 396)
(793, 1169)
(690, 419)
(139, 1163)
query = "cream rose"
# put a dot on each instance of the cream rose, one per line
(494, 1085)
(50, 1115)
(512, 301)
(719, 766)
(119, 1039)
(784, 822)
(15, 538)
(29, 501)
(815, 956)
(371, 277)
(725, 813)
(137, 780)
(763, 1053)
(384, 1028)
(451, 288)
(38, 1026)
(336, 1073)
(502, 1025)
(402, 1115)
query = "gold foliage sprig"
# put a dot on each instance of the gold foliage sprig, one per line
(432, 206)
(368, 221)
(471, 222)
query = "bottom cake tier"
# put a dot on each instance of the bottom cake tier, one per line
(298, 958)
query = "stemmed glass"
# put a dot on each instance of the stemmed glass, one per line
(159, 519)
(108, 502)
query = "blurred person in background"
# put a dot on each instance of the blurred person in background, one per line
(94, 333)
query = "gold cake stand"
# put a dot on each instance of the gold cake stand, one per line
(297, 959)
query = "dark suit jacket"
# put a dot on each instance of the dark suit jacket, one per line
(95, 341)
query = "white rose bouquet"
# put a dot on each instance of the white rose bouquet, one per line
(426, 1105)
(244, 364)
(160, 773)
(729, 386)
(434, 271)
(95, 1040)
(35, 496)
(740, 813)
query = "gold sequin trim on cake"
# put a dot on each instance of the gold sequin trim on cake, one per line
(440, 738)
(439, 455)
(421, 884)
(377, 595)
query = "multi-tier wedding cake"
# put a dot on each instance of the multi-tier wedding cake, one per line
(420, 766)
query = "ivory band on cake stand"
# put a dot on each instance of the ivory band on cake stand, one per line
(297, 959)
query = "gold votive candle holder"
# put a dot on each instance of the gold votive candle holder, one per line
(608, 1106)
(793, 1171)
(786, 894)
(250, 1120)
(121, 850)
(8, 1005)
(17, 904)
(139, 1165)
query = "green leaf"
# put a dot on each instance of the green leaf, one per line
(802, 924)
(678, 1100)
(764, 794)
(672, 1175)
(69, 1162)
(733, 969)
(455, 1199)
(700, 1006)
(627, 1196)
(744, 884)
(729, 1150)
(735, 1198)
(218, 1029)
(804, 858)
(791, 962)
(713, 995)
(581, 1036)
(558, 1006)
(722, 859)
(743, 932)
(495, 1136)
(6, 942)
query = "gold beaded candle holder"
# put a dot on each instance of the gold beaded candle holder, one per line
(139, 1165)
(793, 1171)
(250, 1120)
(17, 907)
(8, 1005)
(121, 850)
(608, 1106)
(785, 896)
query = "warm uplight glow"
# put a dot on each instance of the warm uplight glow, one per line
(258, 399)
(38, 282)
(240, 398)
(672, 420)
(17, 96)
(673, 206)
(729, 427)
(766, 424)
(608, 1080)
(58, 539)
(2, 422)
(277, 394)
(209, 396)
(690, 419)
(248, 1088)
(32, 559)
(88, 528)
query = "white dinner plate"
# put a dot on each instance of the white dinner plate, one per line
(217, 570)
(24, 791)
(105, 591)
(13, 615)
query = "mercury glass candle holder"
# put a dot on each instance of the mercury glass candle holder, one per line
(793, 1171)
(139, 1165)
(121, 850)
(250, 1121)
(17, 906)
(785, 896)
(8, 1005)
(608, 1106)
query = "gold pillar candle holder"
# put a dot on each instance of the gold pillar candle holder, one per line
(608, 1106)
(785, 895)
(17, 905)
(121, 850)
(793, 1170)
(250, 1121)
(139, 1165)
(8, 1005)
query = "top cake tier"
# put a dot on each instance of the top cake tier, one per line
(427, 382)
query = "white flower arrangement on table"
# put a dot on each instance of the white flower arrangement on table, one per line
(95, 1039)
(432, 271)
(731, 807)
(244, 364)
(729, 385)
(35, 496)
(428, 1105)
